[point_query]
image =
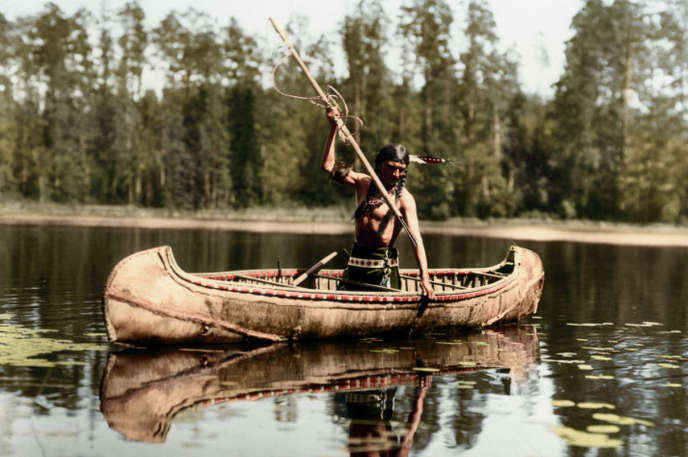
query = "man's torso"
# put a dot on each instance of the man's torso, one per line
(378, 226)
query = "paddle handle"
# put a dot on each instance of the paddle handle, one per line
(345, 130)
(314, 268)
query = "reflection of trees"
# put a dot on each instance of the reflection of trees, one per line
(49, 277)
(467, 420)
(7, 415)
(286, 409)
(603, 283)
(469, 407)
(618, 284)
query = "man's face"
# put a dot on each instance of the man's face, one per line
(391, 172)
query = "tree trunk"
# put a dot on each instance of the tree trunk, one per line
(138, 186)
(207, 196)
(497, 137)
(626, 96)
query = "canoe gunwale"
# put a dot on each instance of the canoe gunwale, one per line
(210, 282)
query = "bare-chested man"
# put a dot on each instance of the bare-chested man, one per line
(373, 259)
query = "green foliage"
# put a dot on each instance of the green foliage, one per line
(244, 154)
(369, 86)
(133, 43)
(76, 123)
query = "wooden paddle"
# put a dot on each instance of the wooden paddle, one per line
(345, 131)
(315, 268)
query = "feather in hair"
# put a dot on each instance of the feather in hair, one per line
(427, 159)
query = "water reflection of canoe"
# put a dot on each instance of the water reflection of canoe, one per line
(150, 299)
(143, 390)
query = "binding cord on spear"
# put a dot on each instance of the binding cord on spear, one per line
(334, 99)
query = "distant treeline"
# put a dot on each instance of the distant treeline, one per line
(76, 124)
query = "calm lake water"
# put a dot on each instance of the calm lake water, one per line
(600, 371)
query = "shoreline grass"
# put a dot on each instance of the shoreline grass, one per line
(336, 219)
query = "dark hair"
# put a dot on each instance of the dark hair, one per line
(396, 153)
(390, 152)
(393, 152)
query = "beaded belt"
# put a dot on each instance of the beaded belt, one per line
(372, 263)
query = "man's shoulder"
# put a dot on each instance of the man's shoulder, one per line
(406, 198)
(405, 193)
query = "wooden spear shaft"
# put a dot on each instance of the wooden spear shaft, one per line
(345, 131)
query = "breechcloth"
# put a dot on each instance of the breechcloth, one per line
(378, 266)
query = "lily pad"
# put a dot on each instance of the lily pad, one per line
(426, 369)
(385, 351)
(674, 385)
(589, 324)
(563, 403)
(598, 348)
(621, 420)
(584, 439)
(20, 346)
(371, 340)
(602, 429)
(585, 367)
(670, 366)
(600, 357)
(572, 361)
(71, 363)
(598, 377)
(593, 405)
(566, 354)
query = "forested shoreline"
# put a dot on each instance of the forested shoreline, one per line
(78, 126)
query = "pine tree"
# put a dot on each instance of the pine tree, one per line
(426, 25)
(605, 61)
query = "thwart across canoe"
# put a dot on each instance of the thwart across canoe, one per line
(149, 299)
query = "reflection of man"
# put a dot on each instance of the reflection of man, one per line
(369, 436)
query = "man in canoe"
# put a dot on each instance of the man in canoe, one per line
(374, 260)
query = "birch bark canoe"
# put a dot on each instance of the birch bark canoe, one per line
(149, 299)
